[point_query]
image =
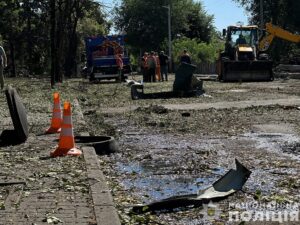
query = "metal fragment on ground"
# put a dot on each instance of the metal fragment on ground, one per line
(228, 184)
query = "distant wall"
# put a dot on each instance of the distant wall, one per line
(206, 68)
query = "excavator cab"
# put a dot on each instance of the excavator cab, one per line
(239, 61)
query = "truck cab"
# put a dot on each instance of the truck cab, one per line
(101, 54)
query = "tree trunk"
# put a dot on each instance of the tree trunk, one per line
(53, 41)
(12, 58)
(29, 37)
(72, 52)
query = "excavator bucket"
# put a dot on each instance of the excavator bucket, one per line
(256, 70)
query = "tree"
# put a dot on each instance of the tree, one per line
(146, 27)
(283, 13)
(53, 38)
(199, 24)
(68, 14)
(24, 28)
(199, 51)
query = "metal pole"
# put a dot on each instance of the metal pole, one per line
(261, 14)
(170, 37)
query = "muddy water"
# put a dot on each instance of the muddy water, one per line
(164, 165)
(285, 144)
(152, 186)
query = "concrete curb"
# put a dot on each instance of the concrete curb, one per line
(105, 211)
(104, 208)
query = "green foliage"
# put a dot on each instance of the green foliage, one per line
(25, 31)
(93, 21)
(146, 22)
(199, 51)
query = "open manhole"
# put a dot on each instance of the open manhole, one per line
(102, 144)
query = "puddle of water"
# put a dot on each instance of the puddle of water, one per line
(276, 142)
(155, 179)
(159, 187)
(151, 187)
(130, 169)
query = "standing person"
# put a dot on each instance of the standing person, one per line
(120, 65)
(185, 57)
(144, 67)
(163, 60)
(151, 65)
(3, 64)
(157, 69)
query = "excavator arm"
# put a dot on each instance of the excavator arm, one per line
(274, 31)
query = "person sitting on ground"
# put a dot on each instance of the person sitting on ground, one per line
(185, 57)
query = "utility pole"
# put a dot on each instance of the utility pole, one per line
(170, 36)
(261, 14)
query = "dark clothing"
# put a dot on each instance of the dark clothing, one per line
(151, 75)
(151, 66)
(163, 59)
(164, 71)
(241, 41)
(185, 59)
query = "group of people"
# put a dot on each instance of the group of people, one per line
(154, 67)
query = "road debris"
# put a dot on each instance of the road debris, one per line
(231, 182)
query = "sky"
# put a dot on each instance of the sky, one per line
(226, 12)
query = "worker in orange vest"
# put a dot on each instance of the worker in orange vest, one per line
(151, 66)
(144, 68)
(157, 69)
(119, 62)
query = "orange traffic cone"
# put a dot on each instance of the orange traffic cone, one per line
(56, 116)
(66, 145)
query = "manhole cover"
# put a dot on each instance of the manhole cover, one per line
(17, 113)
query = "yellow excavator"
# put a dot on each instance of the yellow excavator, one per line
(275, 31)
(245, 57)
